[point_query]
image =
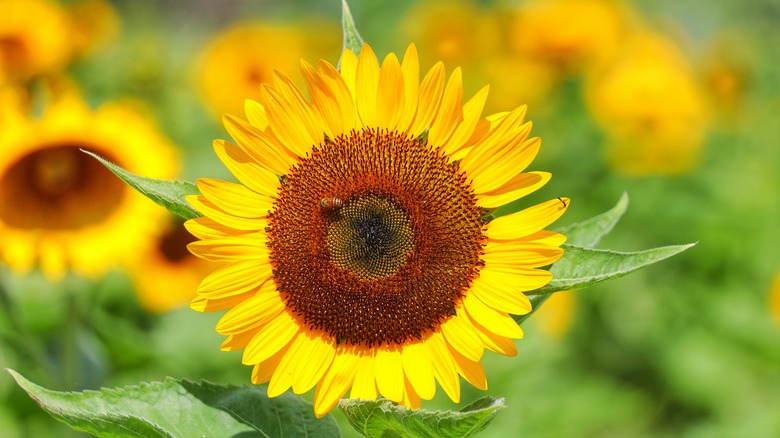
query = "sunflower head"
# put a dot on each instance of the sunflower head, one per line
(61, 209)
(355, 248)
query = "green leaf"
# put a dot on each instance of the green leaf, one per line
(181, 408)
(382, 418)
(352, 39)
(169, 194)
(588, 233)
(582, 267)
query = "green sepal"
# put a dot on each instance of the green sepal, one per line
(382, 418)
(169, 194)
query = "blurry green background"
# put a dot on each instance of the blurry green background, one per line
(689, 347)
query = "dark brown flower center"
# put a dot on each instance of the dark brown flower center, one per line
(13, 55)
(58, 188)
(375, 237)
(172, 244)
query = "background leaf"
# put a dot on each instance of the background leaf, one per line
(382, 418)
(169, 194)
(582, 267)
(181, 408)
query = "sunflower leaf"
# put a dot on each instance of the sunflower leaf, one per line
(588, 233)
(169, 194)
(352, 39)
(382, 418)
(582, 267)
(182, 408)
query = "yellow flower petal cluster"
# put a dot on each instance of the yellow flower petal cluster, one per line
(651, 107)
(352, 202)
(61, 209)
(34, 38)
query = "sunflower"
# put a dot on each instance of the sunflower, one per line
(355, 247)
(167, 275)
(60, 208)
(35, 38)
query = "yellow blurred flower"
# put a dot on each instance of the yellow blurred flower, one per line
(651, 106)
(167, 276)
(568, 34)
(235, 64)
(61, 209)
(35, 38)
(557, 315)
(454, 32)
(537, 82)
(728, 70)
(95, 25)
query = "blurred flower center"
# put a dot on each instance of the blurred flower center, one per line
(58, 188)
(173, 244)
(13, 53)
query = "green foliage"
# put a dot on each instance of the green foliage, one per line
(352, 39)
(181, 408)
(384, 419)
(169, 194)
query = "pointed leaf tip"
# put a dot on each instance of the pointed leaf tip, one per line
(352, 39)
(169, 194)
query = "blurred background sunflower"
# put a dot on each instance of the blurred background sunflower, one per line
(673, 102)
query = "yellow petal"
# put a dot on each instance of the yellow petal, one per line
(215, 304)
(271, 338)
(507, 298)
(255, 113)
(324, 100)
(503, 137)
(348, 66)
(263, 371)
(336, 381)
(291, 117)
(251, 313)
(250, 172)
(431, 89)
(495, 279)
(444, 365)
(237, 341)
(493, 320)
(514, 160)
(364, 387)
(528, 221)
(411, 399)
(418, 369)
(206, 228)
(235, 198)
(210, 210)
(312, 362)
(232, 249)
(263, 148)
(472, 371)
(237, 278)
(543, 237)
(472, 111)
(366, 82)
(389, 374)
(509, 254)
(410, 68)
(520, 185)
(460, 335)
(494, 342)
(282, 377)
(450, 113)
(343, 97)
(390, 93)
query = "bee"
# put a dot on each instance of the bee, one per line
(562, 201)
(330, 203)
